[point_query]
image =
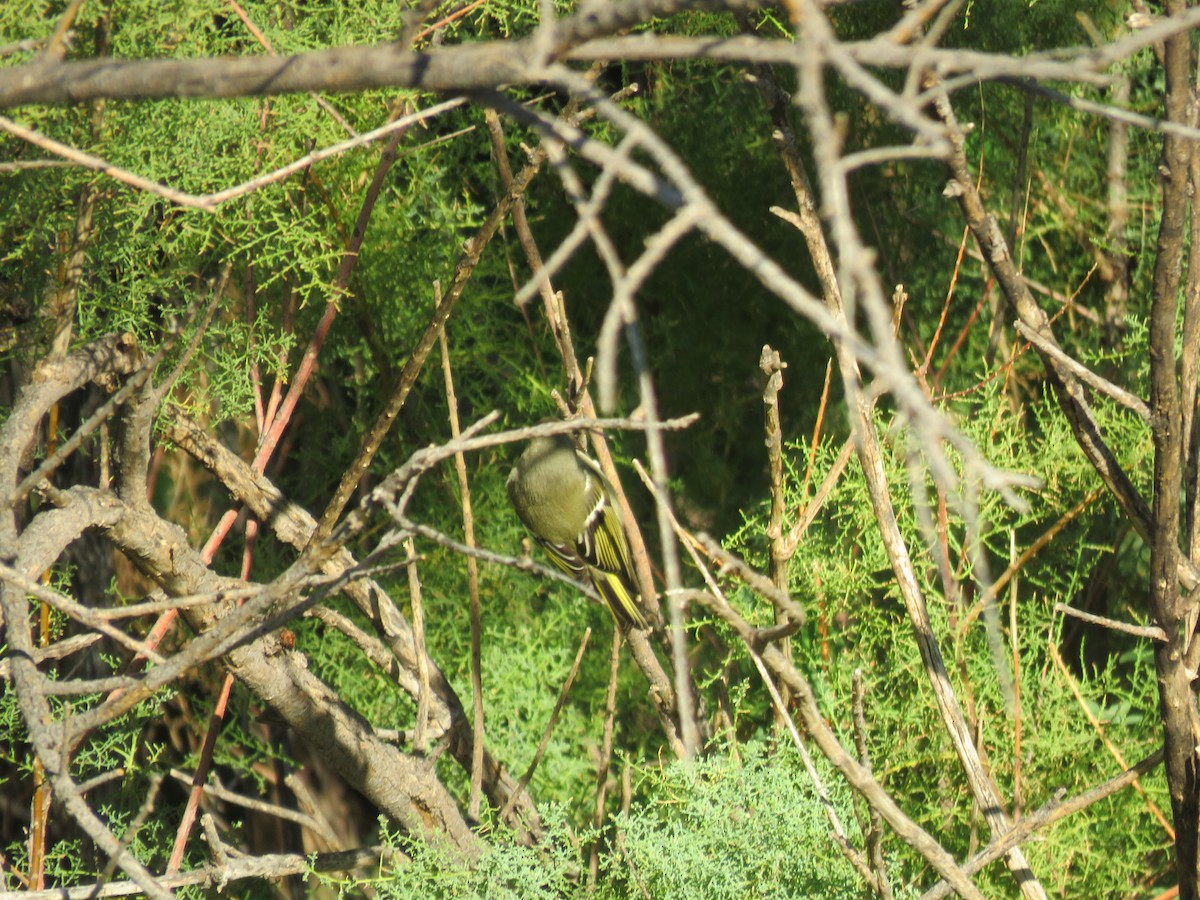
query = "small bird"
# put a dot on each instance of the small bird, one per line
(564, 499)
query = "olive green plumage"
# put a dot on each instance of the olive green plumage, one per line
(564, 499)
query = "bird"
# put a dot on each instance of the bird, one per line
(563, 498)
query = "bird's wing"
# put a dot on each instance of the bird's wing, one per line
(610, 550)
(603, 547)
(601, 542)
(566, 557)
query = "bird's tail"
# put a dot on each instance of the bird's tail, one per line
(621, 599)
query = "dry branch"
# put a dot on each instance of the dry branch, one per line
(852, 311)
(218, 874)
(294, 526)
(452, 69)
(853, 273)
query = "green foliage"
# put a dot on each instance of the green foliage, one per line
(842, 576)
(505, 870)
(130, 749)
(743, 821)
(719, 828)
(728, 829)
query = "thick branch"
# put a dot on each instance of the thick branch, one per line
(1177, 699)
(405, 788)
(102, 360)
(294, 525)
(451, 69)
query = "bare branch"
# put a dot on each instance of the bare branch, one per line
(452, 69)
(1147, 631)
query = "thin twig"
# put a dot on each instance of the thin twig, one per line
(268, 867)
(808, 514)
(139, 819)
(96, 164)
(204, 765)
(58, 650)
(1086, 375)
(859, 778)
(266, 44)
(1116, 754)
(839, 833)
(373, 439)
(602, 770)
(873, 833)
(810, 464)
(464, 486)
(418, 626)
(731, 564)
(210, 202)
(1145, 631)
(252, 803)
(772, 366)
(1014, 640)
(1052, 811)
(781, 711)
(71, 607)
(993, 590)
